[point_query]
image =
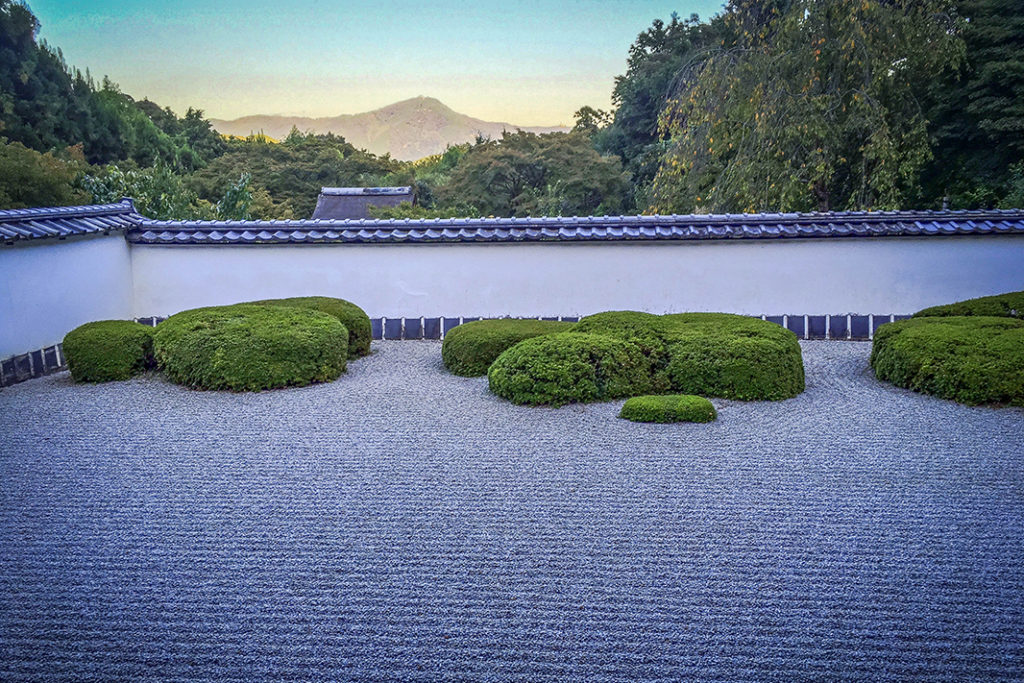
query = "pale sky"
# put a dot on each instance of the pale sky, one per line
(528, 63)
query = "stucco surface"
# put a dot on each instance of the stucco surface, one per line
(404, 524)
(46, 290)
(769, 277)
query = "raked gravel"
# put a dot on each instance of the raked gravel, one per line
(404, 524)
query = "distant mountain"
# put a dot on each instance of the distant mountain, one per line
(409, 130)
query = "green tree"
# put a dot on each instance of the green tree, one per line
(525, 174)
(158, 191)
(29, 179)
(234, 205)
(590, 120)
(46, 105)
(293, 171)
(408, 210)
(814, 106)
(977, 111)
(657, 59)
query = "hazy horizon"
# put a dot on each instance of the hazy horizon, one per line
(531, 64)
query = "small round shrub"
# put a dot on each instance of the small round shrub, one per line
(555, 369)
(360, 334)
(1009, 305)
(248, 347)
(668, 408)
(470, 348)
(970, 359)
(108, 350)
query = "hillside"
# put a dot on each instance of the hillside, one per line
(409, 130)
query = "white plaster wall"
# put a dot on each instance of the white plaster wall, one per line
(51, 287)
(814, 276)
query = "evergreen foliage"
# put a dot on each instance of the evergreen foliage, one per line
(248, 347)
(108, 350)
(525, 174)
(668, 408)
(970, 359)
(355, 320)
(470, 348)
(291, 171)
(778, 105)
(28, 178)
(712, 354)
(976, 113)
(657, 60)
(807, 106)
(1009, 305)
(555, 369)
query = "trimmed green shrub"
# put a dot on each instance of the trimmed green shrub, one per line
(1009, 305)
(733, 356)
(108, 350)
(470, 348)
(249, 347)
(711, 354)
(555, 369)
(351, 316)
(646, 330)
(970, 359)
(668, 408)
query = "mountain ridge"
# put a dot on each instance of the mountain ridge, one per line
(410, 129)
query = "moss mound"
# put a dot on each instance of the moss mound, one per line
(470, 348)
(248, 347)
(360, 334)
(668, 408)
(1010, 305)
(711, 354)
(969, 359)
(108, 350)
(556, 369)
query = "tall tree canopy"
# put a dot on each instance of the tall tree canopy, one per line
(46, 105)
(977, 112)
(523, 174)
(292, 171)
(770, 105)
(656, 60)
(807, 105)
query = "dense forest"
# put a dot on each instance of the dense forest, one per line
(771, 105)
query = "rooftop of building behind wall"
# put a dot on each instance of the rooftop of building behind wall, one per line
(346, 191)
(20, 225)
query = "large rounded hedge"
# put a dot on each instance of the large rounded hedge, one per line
(470, 348)
(970, 359)
(668, 408)
(108, 350)
(733, 356)
(556, 369)
(249, 347)
(1009, 305)
(351, 316)
(710, 354)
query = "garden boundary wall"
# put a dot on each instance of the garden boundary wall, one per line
(50, 288)
(823, 276)
(814, 277)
